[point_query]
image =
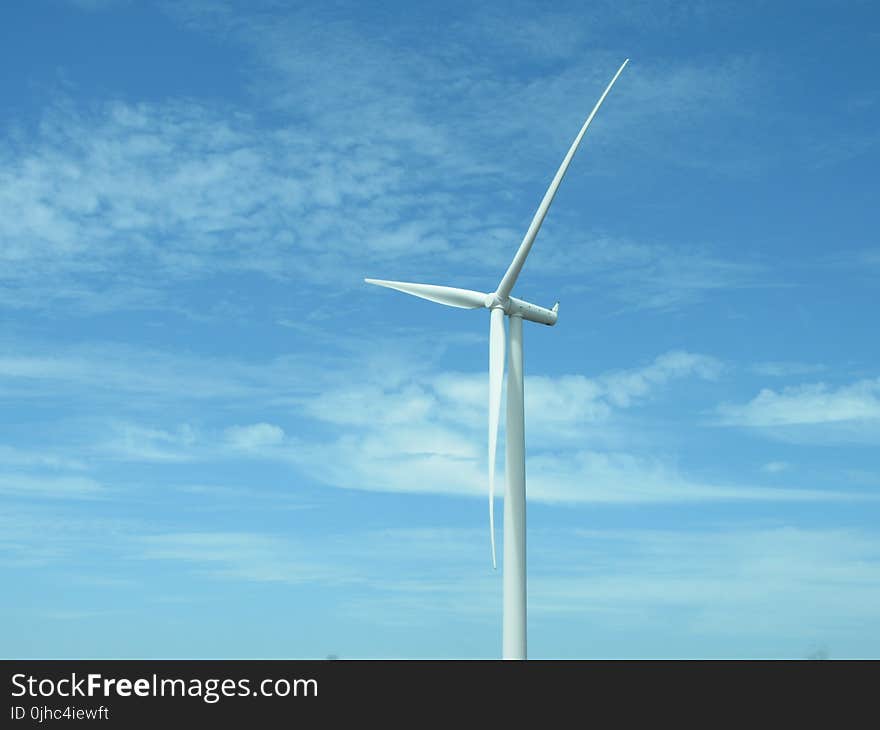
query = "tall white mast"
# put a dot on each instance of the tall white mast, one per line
(513, 631)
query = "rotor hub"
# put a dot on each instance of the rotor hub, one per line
(493, 301)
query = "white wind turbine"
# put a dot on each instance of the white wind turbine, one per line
(500, 303)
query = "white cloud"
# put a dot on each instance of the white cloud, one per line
(122, 204)
(97, 5)
(242, 556)
(418, 458)
(621, 478)
(622, 388)
(54, 486)
(810, 404)
(785, 369)
(460, 398)
(137, 443)
(871, 257)
(399, 426)
(29, 458)
(390, 422)
(739, 590)
(646, 274)
(254, 436)
(133, 442)
(778, 589)
(776, 467)
(106, 372)
(365, 404)
(431, 437)
(135, 190)
(779, 583)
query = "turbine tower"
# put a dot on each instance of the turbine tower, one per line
(500, 303)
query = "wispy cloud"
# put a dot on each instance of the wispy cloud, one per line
(460, 396)
(771, 585)
(782, 583)
(254, 436)
(124, 197)
(97, 5)
(816, 403)
(626, 387)
(122, 205)
(429, 435)
(105, 370)
(777, 582)
(44, 459)
(644, 275)
(47, 474)
(625, 478)
(783, 369)
(871, 257)
(242, 556)
(400, 424)
(814, 413)
(43, 533)
(776, 467)
(55, 486)
(136, 443)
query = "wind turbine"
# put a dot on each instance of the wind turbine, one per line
(500, 303)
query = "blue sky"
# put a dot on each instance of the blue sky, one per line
(216, 441)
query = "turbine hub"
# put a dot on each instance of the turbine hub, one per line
(493, 300)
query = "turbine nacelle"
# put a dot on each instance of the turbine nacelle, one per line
(532, 312)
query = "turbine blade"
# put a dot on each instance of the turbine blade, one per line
(496, 375)
(462, 298)
(510, 276)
